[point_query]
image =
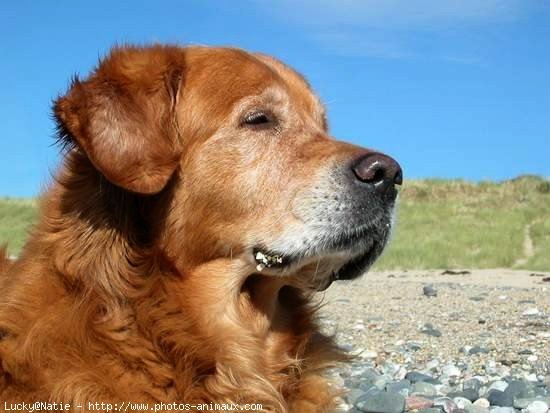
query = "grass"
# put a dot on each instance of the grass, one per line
(440, 224)
(450, 224)
(16, 218)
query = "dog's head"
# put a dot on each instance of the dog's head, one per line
(240, 145)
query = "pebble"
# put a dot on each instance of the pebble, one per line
(462, 402)
(477, 409)
(498, 385)
(500, 398)
(531, 377)
(429, 291)
(353, 395)
(390, 368)
(347, 348)
(469, 394)
(402, 386)
(415, 403)
(503, 410)
(432, 364)
(450, 370)
(474, 384)
(465, 349)
(414, 346)
(381, 402)
(538, 406)
(429, 330)
(446, 404)
(491, 367)
(401, 373)
(482, 402)
(516, 388)
(531, 312)
(369, 354)
(415, 376)
(522, 403)
(423, 388)
(478, 350)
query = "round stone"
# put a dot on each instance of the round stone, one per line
(432, 364)
(531, 377)
(470, 394)
(369, 354)
(446, 404)
(531, 312)
(466, 349)
(462, 402)
(381, 402)
(491, 367)
(424, 389)
(500, 398)
(476, 409)
(401, 374)
(450, 370)
(522, 403)
(472, 384)
(415, 403)
(429, 291)
(516, 388)
(390, 368)
(381, 381)
(503, 410)
(478, 350)
(353, 395)
(415, 376)
(482, 402)
(498, 385)
(413, 345)
(402, 386)
(538, 406)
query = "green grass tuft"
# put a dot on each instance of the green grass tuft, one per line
(16, 219)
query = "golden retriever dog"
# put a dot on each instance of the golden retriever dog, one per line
(200, 205)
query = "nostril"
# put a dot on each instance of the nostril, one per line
(379, 174)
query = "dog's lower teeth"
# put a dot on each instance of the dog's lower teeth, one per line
(259, 256)
(266, 261)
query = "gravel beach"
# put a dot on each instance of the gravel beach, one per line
(473, 341)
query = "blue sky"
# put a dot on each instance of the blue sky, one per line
(450, 88)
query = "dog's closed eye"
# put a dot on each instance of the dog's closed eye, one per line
(257, 118)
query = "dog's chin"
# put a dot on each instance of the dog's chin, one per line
(353, 267)
(345, 259)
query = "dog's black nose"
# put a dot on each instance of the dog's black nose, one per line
(379, 170)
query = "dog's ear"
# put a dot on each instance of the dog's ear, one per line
(123, 116)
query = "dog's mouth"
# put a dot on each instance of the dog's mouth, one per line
(349, 254)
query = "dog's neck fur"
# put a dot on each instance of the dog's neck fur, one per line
(239, 335)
